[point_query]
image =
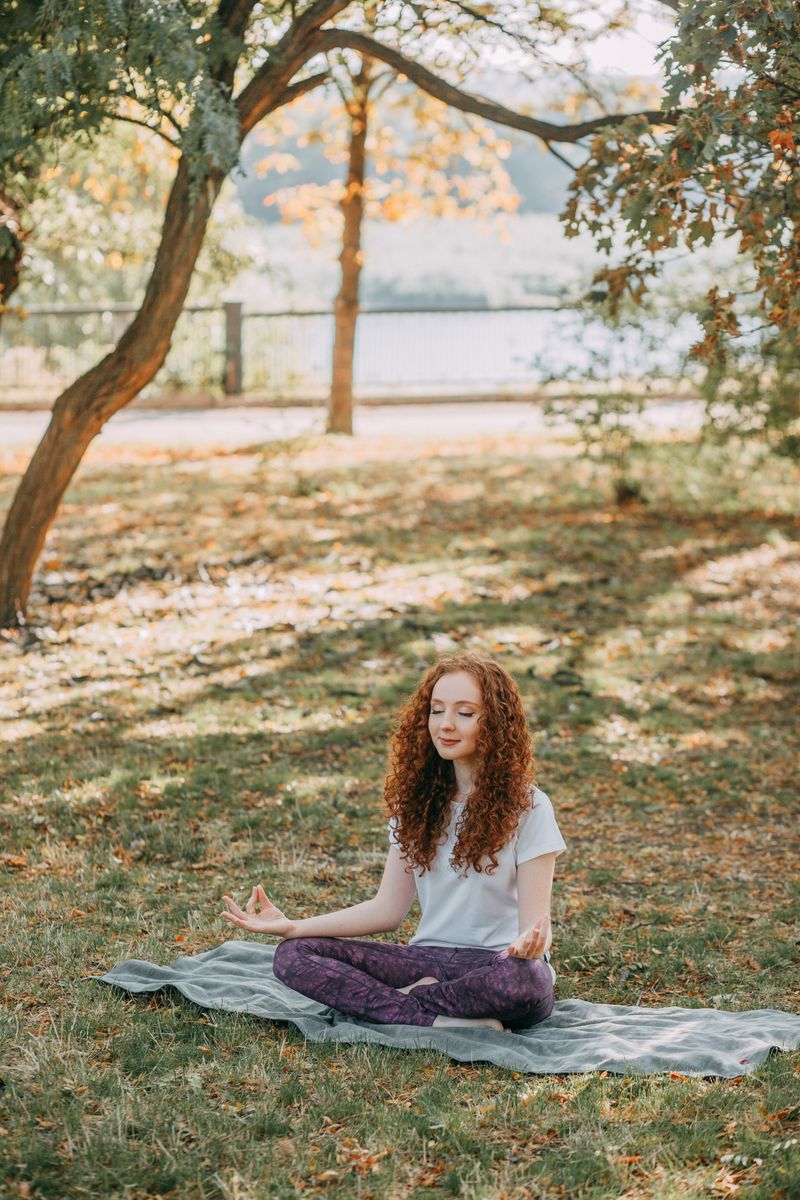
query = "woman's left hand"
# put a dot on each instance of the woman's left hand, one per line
(530, 944)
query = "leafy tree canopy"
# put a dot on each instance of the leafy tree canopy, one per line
(66, 66)
(727, 167)
(97, 244)
(201, 73)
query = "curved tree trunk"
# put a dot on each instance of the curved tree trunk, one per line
(12, 248)
(340, 406)
(81, 411)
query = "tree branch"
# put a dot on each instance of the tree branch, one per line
(306, 84)
(561, 158)
(232, 16)
(337, 39)
(384, 80)
(483, 18)
(313, 17)
(144, 125)
(340, 88)
(269, 86)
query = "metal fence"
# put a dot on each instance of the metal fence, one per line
(43, 349)
(286, 356)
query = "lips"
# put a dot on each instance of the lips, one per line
(449, 741)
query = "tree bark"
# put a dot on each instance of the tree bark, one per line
(340, 406)
(11, 261)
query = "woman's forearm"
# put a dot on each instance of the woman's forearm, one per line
(368, 917)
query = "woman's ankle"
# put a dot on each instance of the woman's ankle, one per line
(426, 979)
(442, 1022)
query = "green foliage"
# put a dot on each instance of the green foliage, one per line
(604, 407)
(67, 70)
(97, 244)
(67, 66)
(727, 166)
(755, 392)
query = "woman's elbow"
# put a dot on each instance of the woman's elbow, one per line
(394, 920)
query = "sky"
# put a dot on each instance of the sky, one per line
(627, 52)
(632, 52)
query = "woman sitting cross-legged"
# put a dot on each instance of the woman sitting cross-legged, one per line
(469, 835)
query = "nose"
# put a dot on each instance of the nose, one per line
(447, 722)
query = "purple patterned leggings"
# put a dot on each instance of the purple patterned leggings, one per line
(360, 978)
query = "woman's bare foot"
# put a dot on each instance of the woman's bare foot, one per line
(486, 1022)
(425, 979)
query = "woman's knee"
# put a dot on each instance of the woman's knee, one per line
(282, 959)
(288, 954)
(292, 951)
(527, 989)
(528, 978)
(531, 1014)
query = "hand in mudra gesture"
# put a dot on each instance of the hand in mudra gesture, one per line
(269, 920)
(530, 944)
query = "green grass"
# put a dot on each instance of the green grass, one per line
(219, 648)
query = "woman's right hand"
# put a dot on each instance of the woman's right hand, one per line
(269, 920)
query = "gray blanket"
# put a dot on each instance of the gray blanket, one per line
(576, 1037)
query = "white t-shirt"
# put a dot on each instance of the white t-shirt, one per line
(480, 910)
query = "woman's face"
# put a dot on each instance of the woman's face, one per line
(456, 708)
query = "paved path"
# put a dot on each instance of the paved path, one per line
(232, 427)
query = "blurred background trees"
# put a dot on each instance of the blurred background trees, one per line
(96, 246)
(405, 155)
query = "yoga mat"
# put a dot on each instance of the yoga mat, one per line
(577, 1037)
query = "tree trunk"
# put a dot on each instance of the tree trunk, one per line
(12, 248)
(81, 411)
(340, 407)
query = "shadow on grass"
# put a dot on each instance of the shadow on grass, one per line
(635, 635)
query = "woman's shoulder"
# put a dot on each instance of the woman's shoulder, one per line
(537, 797)
(538, 831)
(539, 812)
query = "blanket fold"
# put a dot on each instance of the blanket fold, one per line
(577, 1037)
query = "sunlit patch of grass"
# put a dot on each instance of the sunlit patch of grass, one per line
(246, 660)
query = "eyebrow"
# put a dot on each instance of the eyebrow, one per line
(474, 703)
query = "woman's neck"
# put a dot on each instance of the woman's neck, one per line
(464, 781)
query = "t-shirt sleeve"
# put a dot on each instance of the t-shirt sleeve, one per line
(538, 831)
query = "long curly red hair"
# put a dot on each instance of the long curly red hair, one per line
(420, 784)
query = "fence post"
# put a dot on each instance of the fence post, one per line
(232, 378)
